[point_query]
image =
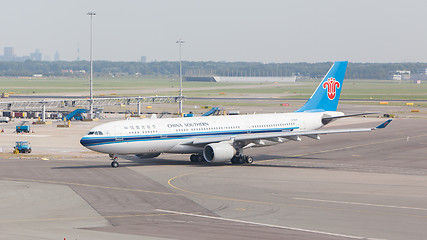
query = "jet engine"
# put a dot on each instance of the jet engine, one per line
(218, 152)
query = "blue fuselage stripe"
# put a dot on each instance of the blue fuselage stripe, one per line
(93, 141)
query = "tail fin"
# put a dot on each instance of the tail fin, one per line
(327, 94)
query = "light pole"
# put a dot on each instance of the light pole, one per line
(91, 14)
(180, 41)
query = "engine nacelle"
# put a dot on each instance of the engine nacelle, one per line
(147, 155)
(218, 152)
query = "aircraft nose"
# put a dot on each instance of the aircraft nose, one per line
(84, 142)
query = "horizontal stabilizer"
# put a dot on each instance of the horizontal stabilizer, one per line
(383, 125)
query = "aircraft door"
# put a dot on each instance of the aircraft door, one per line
(118, 132)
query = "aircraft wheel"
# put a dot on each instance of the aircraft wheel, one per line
(200, 158)
(242, 159)
(235, 160)
(249, 160)
(194, 158)
(114, 164)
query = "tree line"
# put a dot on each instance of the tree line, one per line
(167, 68)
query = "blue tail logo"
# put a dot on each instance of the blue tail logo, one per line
(331, 85)
(327, 94)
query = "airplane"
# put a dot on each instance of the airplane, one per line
(224, 138)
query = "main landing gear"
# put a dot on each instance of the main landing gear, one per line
(242, 159)
(197, 158)
(114, 163)
(238, 159)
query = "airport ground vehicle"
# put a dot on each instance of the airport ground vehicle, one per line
(23, 127)
(22, 147)
(4, 119)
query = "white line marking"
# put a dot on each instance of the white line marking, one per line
(265, 225)
(362, 204)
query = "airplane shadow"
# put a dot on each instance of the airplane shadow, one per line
(131, 161)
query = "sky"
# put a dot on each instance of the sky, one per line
(222, 30)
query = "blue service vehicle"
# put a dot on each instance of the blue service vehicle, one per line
(23, 127)
(22, 147)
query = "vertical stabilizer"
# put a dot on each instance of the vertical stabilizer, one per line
(327, 94)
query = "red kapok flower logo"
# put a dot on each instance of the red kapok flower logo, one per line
(331, 85)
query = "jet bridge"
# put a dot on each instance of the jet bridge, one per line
(84, 102)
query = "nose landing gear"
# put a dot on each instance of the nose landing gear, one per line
(114, 163)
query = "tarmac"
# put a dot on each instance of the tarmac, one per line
(344, 186)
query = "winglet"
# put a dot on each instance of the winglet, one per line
(383, 125)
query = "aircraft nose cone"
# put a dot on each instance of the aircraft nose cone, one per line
(84, 142)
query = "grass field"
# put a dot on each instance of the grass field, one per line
(66, 85)
(149, 86)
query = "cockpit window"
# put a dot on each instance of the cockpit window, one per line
(95, 133)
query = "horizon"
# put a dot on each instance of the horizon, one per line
(271, 31)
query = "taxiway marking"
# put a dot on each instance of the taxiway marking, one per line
(88, 185)
(84, 218)
(210, 196)
(356, 146)
(264, 224)
(361, 204)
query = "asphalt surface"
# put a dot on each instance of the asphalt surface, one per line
(345, 186)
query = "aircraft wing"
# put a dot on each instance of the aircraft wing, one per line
(292, 135)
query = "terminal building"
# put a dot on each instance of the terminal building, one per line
(240, 79)
(400, 75)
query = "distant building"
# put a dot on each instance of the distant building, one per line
(422, 71)
(397, 77)
(56, 57)
(420, 75)
(144, 59)
(9, 54)
(36, 55)
(400, 75)
(241, 79)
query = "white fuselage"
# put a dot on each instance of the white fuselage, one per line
(170, 135)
